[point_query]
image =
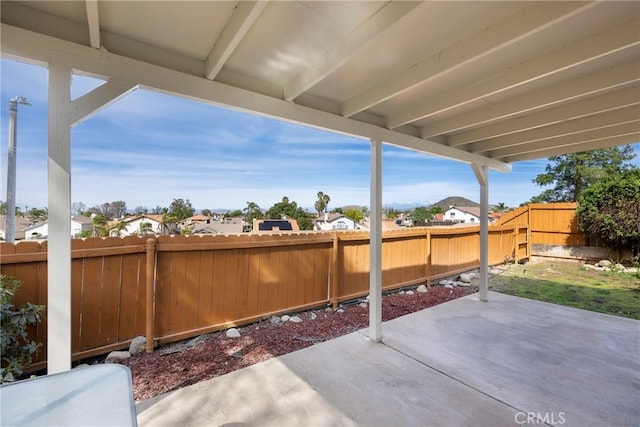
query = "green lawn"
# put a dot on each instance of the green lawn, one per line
(570, 285)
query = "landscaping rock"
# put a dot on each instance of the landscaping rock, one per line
(137, 345)
(443, 282)
(340, 310)
(422, 289)
(604, 263)
(592, 267)
(620, 267)
(368, 298)
(462, 284)
(313, 316)
(295, 319)
(363, 305)
(117, 357)
(496, 271)
(285, 318)
(466, 277)
(448, 286)
(401, 293)
(275, 320)
(409, 293)
(328, 310)
(233, 333)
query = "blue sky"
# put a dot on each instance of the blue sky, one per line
(149, 148)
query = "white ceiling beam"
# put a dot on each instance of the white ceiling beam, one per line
(364, 35)
(98, 99)
(93, 19)
(499, 35)
(613, 40)
(607, 119)
(20, 43)
(565, 91)
(576, 138)
(587, 107)
(241, 20)
(577, 148)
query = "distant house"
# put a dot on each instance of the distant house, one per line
(197, 220)
(20, 225)
(274, 225)
(134, 226)
(79, 224)
(223, 226)
(330, 222)
(464, 214)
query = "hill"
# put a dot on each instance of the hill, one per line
(454, 201)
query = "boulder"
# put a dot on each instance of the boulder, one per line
(466, 277)
(592, 267)
(448, 286)
(117, 357)
(233, 333)
(363, 305)
(138, 345)
(275, 320)
(604, 263)
(422, 289)
(295, 319)
(443, 282)
(409, 293)
(285, 318)
(401, 293)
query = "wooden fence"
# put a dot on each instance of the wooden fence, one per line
(549, 223)
(205, 283)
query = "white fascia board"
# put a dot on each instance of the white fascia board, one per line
(624, 36)
(587, 107)
(576, 148)
(504, 33)
(22, 43)
(565, 91)
(239, 23)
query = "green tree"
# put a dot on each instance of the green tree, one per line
(571, 174)
(146, 228)
(500, 207)
(181, 209)
(36, 215)
(206, 212)
(322, 202)
(169, 222)
(288, 209)
(16, 349)
(610, 210)
(252, 211)
(421, 215)
(119, 228)
(141, 210)
(99, 223)
(354, 213)
(233, 214)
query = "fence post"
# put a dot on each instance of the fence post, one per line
(150, 271)
(334, 270)
(516, 243)
(428, 260)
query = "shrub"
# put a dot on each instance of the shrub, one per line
(16, 349)
(610, 210)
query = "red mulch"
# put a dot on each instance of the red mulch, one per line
(177, 365)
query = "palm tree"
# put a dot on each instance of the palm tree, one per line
(120, 227)
(145, 228)
(99, 223)
(169, 221)
(500, 207)
(322, 202)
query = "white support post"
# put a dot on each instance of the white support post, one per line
(375, 242)
(482, 176)
(59, 205)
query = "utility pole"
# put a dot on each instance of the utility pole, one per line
(10, 234)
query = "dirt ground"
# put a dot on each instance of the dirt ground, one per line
(180, 364)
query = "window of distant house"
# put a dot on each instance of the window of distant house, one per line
(472, 220)
(340, 225)
(452, 214)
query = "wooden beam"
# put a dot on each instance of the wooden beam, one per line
(497, 36)
(93, 20)
(625, 36)
(98, 99)
(242, 18)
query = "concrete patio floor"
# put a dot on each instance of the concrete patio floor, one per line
(508, 362)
